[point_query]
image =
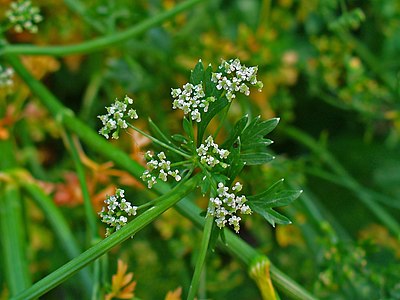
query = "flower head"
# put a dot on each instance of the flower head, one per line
(225, 206)
(234, 77)
(210, 154)
(116, 212)
(6, 75)
(191, 100)
(116, 117)
(158, 167)
(23, 16)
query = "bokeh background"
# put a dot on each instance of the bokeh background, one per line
(331, 72)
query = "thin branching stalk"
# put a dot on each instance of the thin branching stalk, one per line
(138, 223)
(60, 226)
(101, 42)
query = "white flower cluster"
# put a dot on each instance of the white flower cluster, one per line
(209, 153)
(22, 15)
(114, 119)
(117, 212)
(234, 78)
(6, 75)
(191, 99)
(225, 206)
(158, 167)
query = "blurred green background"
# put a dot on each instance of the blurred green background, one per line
(331, 72)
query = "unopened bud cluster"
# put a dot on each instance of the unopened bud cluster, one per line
(191, 99)
(210, 154)
(225, 206)
(23, 16)
(117, 211)
(234, 77)
(115, 117)
(6, 75)
(158, 167)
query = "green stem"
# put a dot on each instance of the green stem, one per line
(370, 59)
(194, 285)
(340, 171)
(60, 227)
(13, 239)
(102, 42)
(246, 254)
(12, 230)
(157, 141)
(79, 8)
(66, 271)
(89, 211)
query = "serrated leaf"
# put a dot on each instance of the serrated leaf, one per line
(236, 132)
(281, 198)
(257, 145)
(270, 191)
(258, 128)
(259, 158)
(204, 186)
(234, 161)
(197, 75)
(269, 214)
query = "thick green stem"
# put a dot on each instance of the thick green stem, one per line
(13, 239)
(138, 223)
(102, 42)
(194, 285)
(14, 259)
(60, 227)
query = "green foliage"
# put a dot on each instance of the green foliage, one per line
(330, 72)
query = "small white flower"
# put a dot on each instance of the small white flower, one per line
(115, 117)
(117, 211)
(225, 206)
(236, 79)
(23, 16)
(158, 167)
(210, 154)
(6, 77)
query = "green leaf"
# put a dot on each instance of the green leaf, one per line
(234, 161)
(281, 198)
(269, 214)
(273, 197)
(179, 138)
(204, 186)
(257, 129)
(197, 75)
(236, 132)
(259, 158)
(188, 128)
